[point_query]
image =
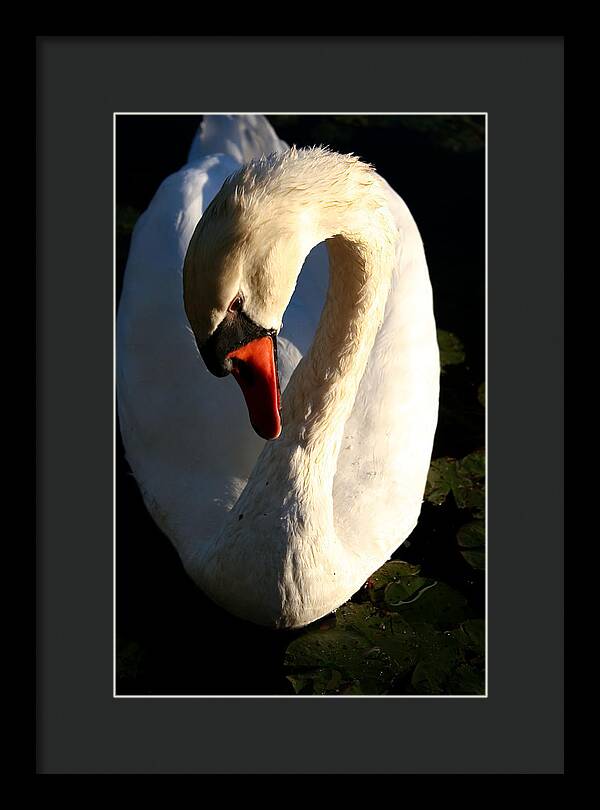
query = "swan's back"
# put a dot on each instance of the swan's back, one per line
(241, 137)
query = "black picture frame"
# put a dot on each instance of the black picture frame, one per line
(82, 81)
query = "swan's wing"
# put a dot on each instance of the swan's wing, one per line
(179, 423)
(241, 137)
(185, 433)
(388, 439)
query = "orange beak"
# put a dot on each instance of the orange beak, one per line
(254, 367)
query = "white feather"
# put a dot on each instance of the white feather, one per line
(283, 532)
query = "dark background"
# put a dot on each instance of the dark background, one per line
(170, 638)
(81, 727)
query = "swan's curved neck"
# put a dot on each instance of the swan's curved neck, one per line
(361, 238)
(282, 526)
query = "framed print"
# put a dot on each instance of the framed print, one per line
(406, 618)
(149, 658)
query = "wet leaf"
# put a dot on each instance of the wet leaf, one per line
(464, 478)
(471, 542)
(436, 666)
(299, 683)
(393, 569)
(452, 352)
(473, 465)
(428, 639)
(391, 572)
(344, 652)
(334, 681)
(481, 394)
(403, 589)
(440, 479)
(466, 680)
(471, 535)
(468, 486)
(476, 559)
(439, 605)
(353, 689)
(474, 630)
(389, 633)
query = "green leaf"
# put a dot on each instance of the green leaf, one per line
(438, 605)
(420, 635)
(466, 679)
(476, 559)
(473, 465)
(471, 542)
(436, 665)
(440, 480)
(452, 352)
(353, 689)
(481, 394)
(298, 683)
(404, 589)
(468, 485)
(471, 535)
(327, 661)
(392, 571)
(389, 633)
(464, 478)
(474, 630)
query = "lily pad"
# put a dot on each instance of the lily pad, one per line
(465, 478)
(452, 352)
(473, 465)
(453, 662)
(481, 394)
(474, 631)
(468, 486)
(392, 571)
(437, 665)
(389, 633)
(471, 535)
(329, 661)
(318, 681)
(471, 543)
(440, 479)
(476, 559)
(404, 589)
(466, 680)
(438, 605)
(418, 636)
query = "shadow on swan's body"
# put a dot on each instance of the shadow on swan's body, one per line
(282, 532)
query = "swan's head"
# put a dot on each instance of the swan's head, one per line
(239, 274)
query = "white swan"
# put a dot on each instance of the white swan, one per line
(279, 532)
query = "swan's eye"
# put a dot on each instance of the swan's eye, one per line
(236, 304)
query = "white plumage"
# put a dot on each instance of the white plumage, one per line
(280, 532)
